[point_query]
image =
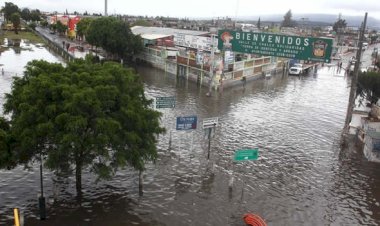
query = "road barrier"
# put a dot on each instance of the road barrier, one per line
(17, 216)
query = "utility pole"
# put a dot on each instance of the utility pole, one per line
(105, 8)
(351, 100)
(212, 62)
(41, 199)
(339, 33)
(304, 25)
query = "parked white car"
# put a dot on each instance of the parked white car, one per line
(368, 69)
(296, 69)
(365, 45)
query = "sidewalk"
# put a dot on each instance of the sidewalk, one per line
(75, 48)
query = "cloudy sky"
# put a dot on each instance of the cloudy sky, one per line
(207, 8)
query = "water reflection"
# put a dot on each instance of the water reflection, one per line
(14, 61)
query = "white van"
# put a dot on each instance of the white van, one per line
(365, 45)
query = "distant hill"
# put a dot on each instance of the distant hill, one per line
(320, 19)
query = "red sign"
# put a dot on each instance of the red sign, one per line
(73, 23)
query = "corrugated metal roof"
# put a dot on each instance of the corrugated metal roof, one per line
(153, 36)
(140, 30)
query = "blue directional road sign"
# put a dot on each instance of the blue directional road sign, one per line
(186, 123)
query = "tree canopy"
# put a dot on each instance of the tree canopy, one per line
(61, 28)
(16, 20)
(369, 87)
(9, 9)
(82, 115)
(35, 15)
(259, 23)
(339, 24)
(83, 25)
(5, 144)
(114, 36)
(288, 22)
(25, 14)
(142, 22)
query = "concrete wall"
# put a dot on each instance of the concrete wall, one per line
(375, 111)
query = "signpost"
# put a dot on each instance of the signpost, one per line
(210, 122)
(186, 123)
(248, 154)
(165, 102)
(279, 45)
(243, 155)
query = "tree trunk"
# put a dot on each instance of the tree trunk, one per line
(78, 175)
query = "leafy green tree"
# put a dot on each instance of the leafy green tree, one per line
(8, 10)
(83, 115)
(6, 160)
(16, 20)
(369, 87)
(53, 27)
(33, 25)
(82, 26)
(288, 22)
(339, 25)
(35, 15)
(44, 23)
(97, 31)
(143, 23)
(114, 36)
(61, 28)
(25, 14)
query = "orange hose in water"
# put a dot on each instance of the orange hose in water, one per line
(253, 220)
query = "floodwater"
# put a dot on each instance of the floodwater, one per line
(302, 177)
(14, 59)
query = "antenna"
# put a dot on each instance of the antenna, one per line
(236, 12)
(105, 8)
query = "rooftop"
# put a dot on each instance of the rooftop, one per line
(164, 31)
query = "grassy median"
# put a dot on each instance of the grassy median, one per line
(21, 35)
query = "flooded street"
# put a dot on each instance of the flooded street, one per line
(14, 59)
(302, 176)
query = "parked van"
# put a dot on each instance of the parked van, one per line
(365, 45)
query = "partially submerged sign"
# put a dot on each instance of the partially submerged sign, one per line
(210, 122)
(186, 123)
(248, 154)
(295, 47)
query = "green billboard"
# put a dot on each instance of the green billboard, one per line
(295, 47)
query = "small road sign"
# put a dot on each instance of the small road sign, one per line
(210, 122)
(165, 102)
(248, 154)
(186, 123)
